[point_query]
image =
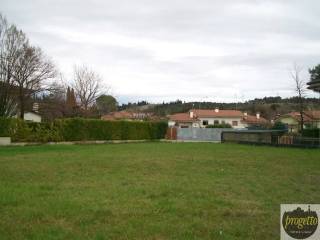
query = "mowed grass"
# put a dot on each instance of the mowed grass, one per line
(152, 190)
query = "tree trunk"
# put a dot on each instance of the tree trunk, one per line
(21, 103)
(301, 121)
(301, 112)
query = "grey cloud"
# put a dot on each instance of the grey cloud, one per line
(174, 49)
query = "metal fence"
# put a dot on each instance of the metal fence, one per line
(250, 136)
(297, 141)
(266, 137)
(270, 137)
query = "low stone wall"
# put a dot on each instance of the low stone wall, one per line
(4, 141)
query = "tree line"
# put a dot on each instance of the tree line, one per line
(268, 107)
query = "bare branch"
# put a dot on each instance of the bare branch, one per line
(300, 89)
(86, 85)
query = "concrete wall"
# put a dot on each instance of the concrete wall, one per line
(200, 134)
(29, 116)
(32, 117)
(5, 141)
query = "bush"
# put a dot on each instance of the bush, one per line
(222, 125)
(312, 132)
(14, 128)
(5, 126)
(279, 126)
(78, 129)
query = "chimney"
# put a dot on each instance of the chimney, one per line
(216, 110)
(191, 114)
(245, 114)
(258, 115)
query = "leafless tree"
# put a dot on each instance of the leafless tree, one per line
(86, 85)
(53, 102)
(23, 69)
(11, 44)
(32, 69)
(300, 89)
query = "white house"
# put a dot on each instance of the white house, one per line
(292, 120)
(201, 118)
(31, 116)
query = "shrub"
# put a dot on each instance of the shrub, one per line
(78, 129)
(312, 132)
(5, 126)
(14, 128)
(222, 125)
(280, 126)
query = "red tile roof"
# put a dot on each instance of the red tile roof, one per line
(254, 120)
(117, 115)
(214, 113)
(296, 116)
(315, 115)
(181, 117)
(126, 115)
(201, 113)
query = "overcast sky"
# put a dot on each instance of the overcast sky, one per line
(203, 50)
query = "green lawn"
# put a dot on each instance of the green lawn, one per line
(152, 190)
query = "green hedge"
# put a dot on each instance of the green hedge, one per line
(78, 129)
(312, 132)
(222, 125)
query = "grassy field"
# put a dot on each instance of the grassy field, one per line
(152, 190)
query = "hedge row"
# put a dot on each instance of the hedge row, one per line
(78, 129)
(312, 132)
(222, 125)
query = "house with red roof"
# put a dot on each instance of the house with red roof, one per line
(292, 120)
(201, 118)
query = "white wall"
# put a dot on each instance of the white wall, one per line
(189, 124)
(226, 120)
(32, 117)
(211, 122)
(171, 123)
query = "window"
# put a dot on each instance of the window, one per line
(234, 123)
(223, 122)
(205, 122)
(216, 122)
(184, 126)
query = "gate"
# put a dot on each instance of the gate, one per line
(171, 133)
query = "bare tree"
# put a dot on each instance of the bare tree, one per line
(53, 102)
(32, 69)
(86, 85)
(11, 44)
(300, 89)
(23, 69)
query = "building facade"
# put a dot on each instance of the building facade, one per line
(202, 118)
(292, 120)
